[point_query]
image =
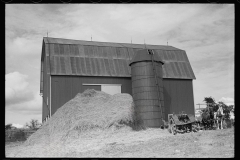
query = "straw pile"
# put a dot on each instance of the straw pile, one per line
(87, 111)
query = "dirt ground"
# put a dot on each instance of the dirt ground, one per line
(148, 143)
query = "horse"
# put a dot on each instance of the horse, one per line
(205, 119)
(198, 118)
(211, 112)
(220, 117)
(215, 118)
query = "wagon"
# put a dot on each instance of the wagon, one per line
(180, 123)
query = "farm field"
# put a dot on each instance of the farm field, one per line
(148, 143)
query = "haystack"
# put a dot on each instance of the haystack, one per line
(87, 111)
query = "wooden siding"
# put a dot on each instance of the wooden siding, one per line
(64, 88)
(178, 96)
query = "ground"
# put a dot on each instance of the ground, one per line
(149, 143)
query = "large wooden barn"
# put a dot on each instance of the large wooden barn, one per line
(72, 66)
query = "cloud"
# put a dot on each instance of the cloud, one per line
(203, 27)
(23, 46)
(17, 125)
(16, 88)
(227, 100)
(148, 18)
(213, 79)
(12, 116)
(22, 113)
(33, 106)
(33, 19)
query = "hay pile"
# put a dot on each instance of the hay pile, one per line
(90, 111)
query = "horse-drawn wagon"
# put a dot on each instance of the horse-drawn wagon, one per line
(181, 123)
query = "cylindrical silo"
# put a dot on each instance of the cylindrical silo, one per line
(147, 87)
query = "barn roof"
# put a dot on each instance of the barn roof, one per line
(143, 55)
(91, 58)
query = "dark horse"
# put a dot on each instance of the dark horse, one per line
(208, 118)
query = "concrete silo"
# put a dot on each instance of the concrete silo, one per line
(147, 87)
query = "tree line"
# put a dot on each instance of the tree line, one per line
(210, 101)
(33, 125)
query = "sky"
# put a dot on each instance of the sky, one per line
(204, 31)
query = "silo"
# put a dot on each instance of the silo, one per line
(147, 87)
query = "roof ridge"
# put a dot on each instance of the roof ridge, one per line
(117, 43)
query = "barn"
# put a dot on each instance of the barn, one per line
(72, 66)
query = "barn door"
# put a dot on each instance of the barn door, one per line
(111, 89)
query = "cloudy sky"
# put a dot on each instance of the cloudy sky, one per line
(204, 31)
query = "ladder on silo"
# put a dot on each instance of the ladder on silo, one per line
(155, 74)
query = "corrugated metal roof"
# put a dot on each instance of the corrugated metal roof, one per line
(143, 55)
(75, 57)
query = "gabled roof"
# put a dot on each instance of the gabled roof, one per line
(91, 58)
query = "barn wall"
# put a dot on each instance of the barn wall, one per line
(178, 93)
(44, 93)
(46, 87)
(178, 96)
(64, 88)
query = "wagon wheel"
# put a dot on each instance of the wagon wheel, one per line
(169, 124)
(174, 129)
(170, 127)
